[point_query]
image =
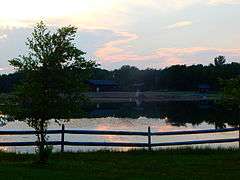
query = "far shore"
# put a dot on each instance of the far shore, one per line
(150, 96)
(147, 96)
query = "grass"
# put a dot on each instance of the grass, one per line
(163, 164)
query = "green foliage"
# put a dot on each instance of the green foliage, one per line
(173, 78)
(127, 76)
(231, 93)
(54, 73)
(52, 51)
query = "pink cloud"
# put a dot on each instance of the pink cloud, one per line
(5, 69)
(119, 51)
(193, 55)
(112, 51)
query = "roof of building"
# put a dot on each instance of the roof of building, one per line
(103, 82)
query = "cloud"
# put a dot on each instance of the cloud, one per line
(108, 14)
(4, 36)
(226, 2)
(128, 31)
(194, 55)
(12, 45)
(88, 13)
(164, 57)
(112, 50)
(179, 24)
(81, 12)
(5, 69)
(88, 40)
(116, 48)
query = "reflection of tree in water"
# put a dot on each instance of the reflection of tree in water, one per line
(176, 113)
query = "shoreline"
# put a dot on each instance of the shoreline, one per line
(150, 96)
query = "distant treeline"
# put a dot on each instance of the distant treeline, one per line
(173, 78)
(9, 81)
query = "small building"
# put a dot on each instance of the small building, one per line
(203, 88)
(103, 85)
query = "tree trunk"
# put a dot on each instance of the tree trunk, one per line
(42, 142)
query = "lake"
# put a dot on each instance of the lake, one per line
(137, 116)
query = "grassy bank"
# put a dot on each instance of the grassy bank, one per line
(170, 164)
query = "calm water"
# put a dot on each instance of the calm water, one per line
(137, 117)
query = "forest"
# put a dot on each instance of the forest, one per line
(173, 78)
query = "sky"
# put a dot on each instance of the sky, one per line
(142, 33)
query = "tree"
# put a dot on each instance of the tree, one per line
(220, 60)
(54, 72)
(231, 96)
(176, 77)
(231, 93)
(126, 76)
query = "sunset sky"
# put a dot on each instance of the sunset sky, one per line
(143, 33)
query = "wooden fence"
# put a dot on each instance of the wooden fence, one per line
(149, 144)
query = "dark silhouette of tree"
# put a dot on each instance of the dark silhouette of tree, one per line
(231, 96)
(9, 82)
(173, 78)
(231, 93)
(220, 60)
(126, 76)
(54, 73)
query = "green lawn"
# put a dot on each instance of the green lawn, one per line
(168, 164)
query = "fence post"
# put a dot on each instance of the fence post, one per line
(62, 138)
(149, 139)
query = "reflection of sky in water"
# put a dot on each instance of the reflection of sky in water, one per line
(127, 124)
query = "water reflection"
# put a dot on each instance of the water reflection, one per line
(169, 116)
(175, 113)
